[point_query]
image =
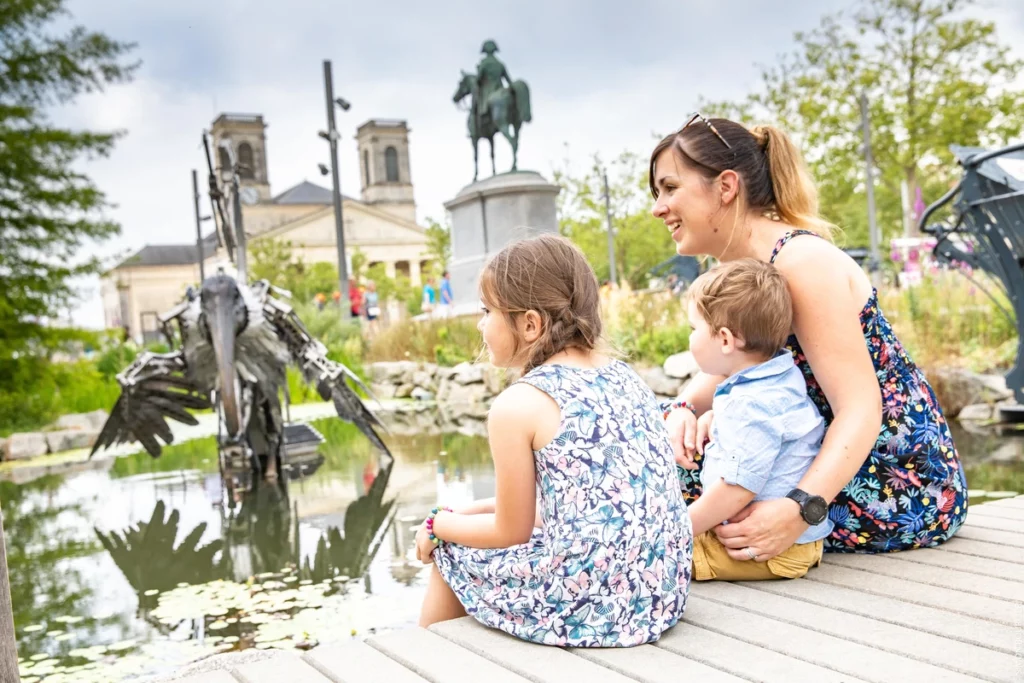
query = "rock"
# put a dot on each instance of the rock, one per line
(424, 379)
(975, 411)
(957, 388)
(681, 366)
(421, 394)
(443, 373)
(468, 373)
(470, 400)
(396, 372)
(659, 382)
(495, 379)
(70, 439)
(86, 421)
(404, 390)
(24, 445)
(383, 390)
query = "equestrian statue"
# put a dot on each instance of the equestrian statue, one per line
(497, 105)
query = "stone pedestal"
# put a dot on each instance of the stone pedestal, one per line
(488, 215)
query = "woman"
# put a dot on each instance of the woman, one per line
(889, 484)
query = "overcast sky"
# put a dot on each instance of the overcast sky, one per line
(604, 77)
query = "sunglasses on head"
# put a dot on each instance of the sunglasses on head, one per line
(697, 116)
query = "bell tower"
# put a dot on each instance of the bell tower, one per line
(384, 167)
(246, 135)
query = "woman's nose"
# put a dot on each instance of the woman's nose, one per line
(659, 210)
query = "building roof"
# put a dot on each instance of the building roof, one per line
(170, 254)
(307, 193)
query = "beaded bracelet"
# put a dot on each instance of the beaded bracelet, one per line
(678, 404)
(430, 523)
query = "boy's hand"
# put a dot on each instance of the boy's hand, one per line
(682, 430)
(704, 430)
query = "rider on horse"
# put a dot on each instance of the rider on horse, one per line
(491, 76)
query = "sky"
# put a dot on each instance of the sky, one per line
(605, 77)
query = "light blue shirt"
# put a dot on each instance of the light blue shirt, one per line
(765, 433)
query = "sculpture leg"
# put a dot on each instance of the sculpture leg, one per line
(514, 141)
(494, 170)
(476, 163)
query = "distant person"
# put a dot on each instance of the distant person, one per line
(355, 298)
(371, 301)
(321, 300)
(429, 296)
(447, 299)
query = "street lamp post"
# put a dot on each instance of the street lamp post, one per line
(339, 224)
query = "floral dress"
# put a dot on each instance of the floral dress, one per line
(911, 491)
(611, 565)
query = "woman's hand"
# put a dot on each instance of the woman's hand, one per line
(762, 530)
(424, 546)
(682, 432)
(704, 430)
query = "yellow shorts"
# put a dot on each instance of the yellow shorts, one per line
(711, 561)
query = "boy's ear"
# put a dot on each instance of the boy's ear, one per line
(729, 342)
(530, 326)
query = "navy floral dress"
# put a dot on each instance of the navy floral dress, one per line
(911, 491)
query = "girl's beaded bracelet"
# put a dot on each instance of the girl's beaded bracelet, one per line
(430, 523)
(678, 404)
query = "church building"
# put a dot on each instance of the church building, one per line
(381, 223)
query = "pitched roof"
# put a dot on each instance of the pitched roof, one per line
(307, 193)
(170, 254)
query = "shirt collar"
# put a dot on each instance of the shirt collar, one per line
(778, 364)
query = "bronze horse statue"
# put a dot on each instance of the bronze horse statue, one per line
(505, 111)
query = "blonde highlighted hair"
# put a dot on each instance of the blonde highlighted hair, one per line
(550, 275)
(749, 298)
(773, 176)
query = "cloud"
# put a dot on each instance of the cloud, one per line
(604, 77)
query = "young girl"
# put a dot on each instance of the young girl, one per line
(604, 559)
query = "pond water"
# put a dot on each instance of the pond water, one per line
(135, 567)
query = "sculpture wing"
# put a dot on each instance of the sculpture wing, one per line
(333, 380)
(153, 388)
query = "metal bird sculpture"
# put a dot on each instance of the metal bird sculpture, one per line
(235, 343)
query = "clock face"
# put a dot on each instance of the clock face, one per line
(249, 195)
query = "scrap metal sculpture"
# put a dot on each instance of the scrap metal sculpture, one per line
(235, 342)
(986, 232)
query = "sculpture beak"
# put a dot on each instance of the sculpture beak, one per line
(221, 321)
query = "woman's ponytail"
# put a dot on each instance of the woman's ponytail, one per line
(796, 197)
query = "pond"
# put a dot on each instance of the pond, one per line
(134, 568)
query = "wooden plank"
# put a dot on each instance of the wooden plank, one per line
(992, 551)
(968, 659)
(751, 662)
(994, 511)
(931, 620)
(8, 639)
(996, 523)
(979, 566)
(828, 651)
(651, 664)
(885, 565)
(218, 676)
(539, 664)
(357, 662)
(1017, 502)
(979, 606)
(976, 533)
(439, 660)
(284, 667)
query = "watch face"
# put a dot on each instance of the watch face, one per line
(815, 510)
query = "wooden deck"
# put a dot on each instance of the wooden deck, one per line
(954, 613)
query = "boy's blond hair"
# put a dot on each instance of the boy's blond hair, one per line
(750, 298)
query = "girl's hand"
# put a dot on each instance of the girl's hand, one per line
(682, 431)
(765, 529)
(704, 430)
(424, 546)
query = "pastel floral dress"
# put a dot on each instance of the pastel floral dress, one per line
(911, 491)
(611, 565)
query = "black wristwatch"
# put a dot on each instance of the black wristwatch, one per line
(813, 509)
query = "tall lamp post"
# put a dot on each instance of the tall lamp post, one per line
(332, 137)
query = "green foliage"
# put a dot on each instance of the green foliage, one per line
(439, 245)
(274, 261)
(49, 210)
(446, 341)
(932, 78)
(641, 240)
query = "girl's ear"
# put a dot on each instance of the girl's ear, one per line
(531, 326)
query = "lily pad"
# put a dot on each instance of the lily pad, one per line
(151, 592)
(33, 628)
(121, 646)
(39, 657)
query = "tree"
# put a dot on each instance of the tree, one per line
(932, 78)
(641, 240)
(48, 210)
(439, 244)
(273, 261)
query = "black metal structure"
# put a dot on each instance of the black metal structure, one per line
(986, 231)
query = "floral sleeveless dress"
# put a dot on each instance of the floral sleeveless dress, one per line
(611, 566)
(911, 491)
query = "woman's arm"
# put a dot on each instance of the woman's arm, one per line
(512, 521)
(826, 308)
